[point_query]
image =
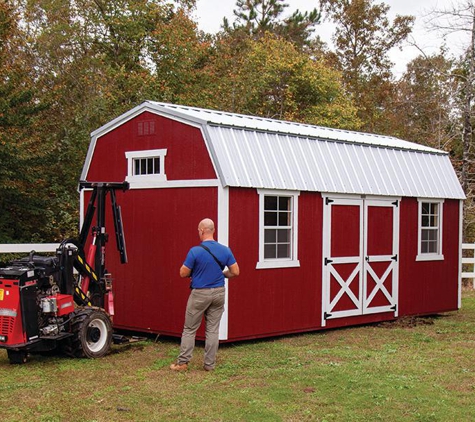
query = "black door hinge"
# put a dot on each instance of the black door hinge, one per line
(328, 261)
(328, 201)
(394, 258)
(396, 203)
(326, 315)
(394, 308)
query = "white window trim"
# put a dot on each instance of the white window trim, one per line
(430, 256)
(282, 262)
(145, 180)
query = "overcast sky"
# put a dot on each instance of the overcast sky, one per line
(210, 13)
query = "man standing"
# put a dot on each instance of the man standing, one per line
(205, 265)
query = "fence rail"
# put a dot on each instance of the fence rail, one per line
(28, 247)
(469, 248)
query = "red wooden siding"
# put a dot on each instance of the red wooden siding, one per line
(160, 226)
(428, 286)
(265, 302)
(187, 157)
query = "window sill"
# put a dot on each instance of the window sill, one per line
(277, 264)
(429, 257)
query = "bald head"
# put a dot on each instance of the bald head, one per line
(207, 225)
(206, 229)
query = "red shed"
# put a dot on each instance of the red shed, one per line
(330, 228)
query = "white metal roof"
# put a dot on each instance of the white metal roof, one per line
(257, 152)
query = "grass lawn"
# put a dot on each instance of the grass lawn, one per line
(414, 370)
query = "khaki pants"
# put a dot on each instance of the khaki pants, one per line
(210, 303)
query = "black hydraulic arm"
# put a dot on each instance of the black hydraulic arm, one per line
(97, 206)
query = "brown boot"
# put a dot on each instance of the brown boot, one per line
(179, 367)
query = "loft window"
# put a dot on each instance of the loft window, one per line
(430, 230)
(278, 229)
(145, 167)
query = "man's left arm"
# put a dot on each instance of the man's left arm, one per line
(232, 271)
(185, 271)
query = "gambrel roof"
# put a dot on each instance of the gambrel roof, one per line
(255, 152)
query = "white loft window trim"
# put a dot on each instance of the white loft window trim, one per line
(278, 229)
(146, 167)
(430, 223)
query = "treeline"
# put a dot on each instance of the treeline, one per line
(69, 66)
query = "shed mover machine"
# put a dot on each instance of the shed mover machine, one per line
(45, 304)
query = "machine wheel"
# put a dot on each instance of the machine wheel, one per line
(17, 357)
(92, 329)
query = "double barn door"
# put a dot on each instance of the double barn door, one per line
(360, 251)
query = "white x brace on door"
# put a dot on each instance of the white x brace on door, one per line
(360, 256)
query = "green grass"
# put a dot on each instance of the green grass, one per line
(417, 370)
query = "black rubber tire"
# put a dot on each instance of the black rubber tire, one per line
(17, 357)
(92, 333)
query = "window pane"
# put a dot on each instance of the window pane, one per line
(150, 166)
(270, 203)
(157, 165)
(137, 167)
(283, 251)
(270, 236)
(270, 218)
(425, 208)
(284, 203)
(270, 252)
(283, 236)
(425, 234)
(425, 221)
(432, 247)
(143, 166)
(284, 218)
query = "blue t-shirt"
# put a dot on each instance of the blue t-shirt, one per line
(205, 271)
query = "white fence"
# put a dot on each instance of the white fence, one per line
(469, 260)
(28, 247)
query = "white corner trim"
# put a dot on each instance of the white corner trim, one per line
(223, 237)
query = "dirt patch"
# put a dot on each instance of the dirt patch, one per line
(408, 322)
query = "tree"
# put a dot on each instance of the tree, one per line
(270, 77)
(19, 154)
(461, 18)
(256, 17)
(89, 61)
(363, 38)
(422, 108)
